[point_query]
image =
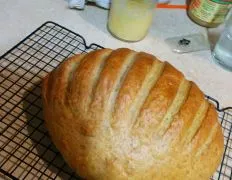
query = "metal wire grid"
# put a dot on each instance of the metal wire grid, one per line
(224, 171)
(26, 151)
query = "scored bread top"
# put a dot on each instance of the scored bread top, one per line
(141, 111)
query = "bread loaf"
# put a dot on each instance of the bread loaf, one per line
(121, 114)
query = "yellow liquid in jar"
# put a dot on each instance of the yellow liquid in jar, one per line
(130, 20)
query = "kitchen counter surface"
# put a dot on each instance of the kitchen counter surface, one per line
(19, 18)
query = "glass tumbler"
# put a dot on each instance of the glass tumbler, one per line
(129, 20)
(222, 53)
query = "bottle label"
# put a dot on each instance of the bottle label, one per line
(209, 11)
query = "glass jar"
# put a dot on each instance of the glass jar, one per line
(129, 20)
(209, 13)
(222, 53)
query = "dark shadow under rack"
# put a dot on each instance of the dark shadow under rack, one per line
(26, 151)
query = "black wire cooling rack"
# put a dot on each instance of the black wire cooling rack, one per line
(26, 151)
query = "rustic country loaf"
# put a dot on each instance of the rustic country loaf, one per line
(120, 114)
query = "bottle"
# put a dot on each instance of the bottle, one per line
(129, 20)
(209, 13)
(222, 53)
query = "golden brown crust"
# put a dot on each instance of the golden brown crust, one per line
(126, 115)
(136, 75)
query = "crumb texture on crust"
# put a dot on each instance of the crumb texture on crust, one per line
(121, 114)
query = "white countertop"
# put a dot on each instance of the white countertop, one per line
(19, 18)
